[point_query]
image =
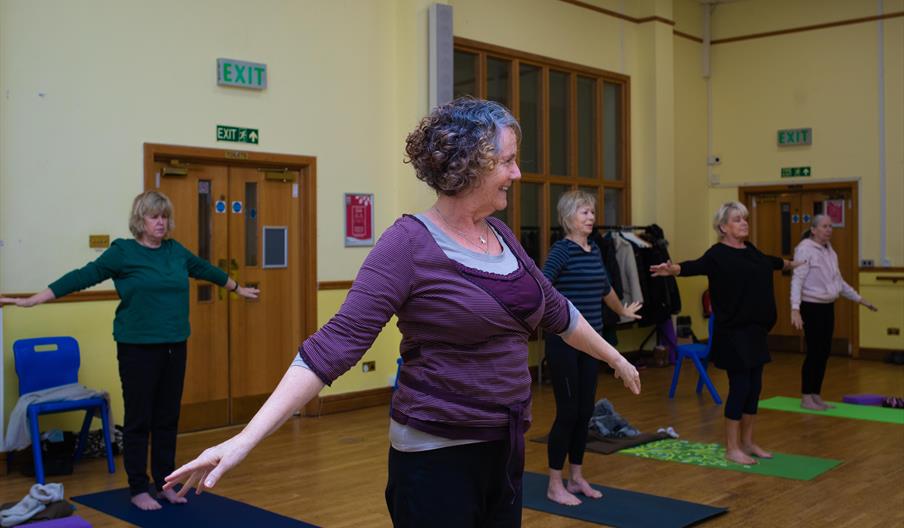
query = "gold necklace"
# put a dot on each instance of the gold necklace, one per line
(483, 239)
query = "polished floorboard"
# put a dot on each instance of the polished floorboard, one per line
(331, 471)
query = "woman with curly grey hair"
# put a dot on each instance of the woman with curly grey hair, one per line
(151, 329)
(740, 284)
(467, 297)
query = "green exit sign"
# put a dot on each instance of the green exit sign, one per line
(795, 172)
(242, 74)
(238, 134)
(795, 136)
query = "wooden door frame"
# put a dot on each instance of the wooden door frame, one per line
(307, 232)
(745, 192)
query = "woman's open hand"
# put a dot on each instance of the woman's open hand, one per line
(630, 311)
(206, 470)
(626, 372)
(666, 269)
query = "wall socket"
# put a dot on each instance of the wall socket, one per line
(893, 331)
(368, 366)
(867, 263)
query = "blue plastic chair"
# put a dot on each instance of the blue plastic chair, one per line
(39, 370)
(698, 353)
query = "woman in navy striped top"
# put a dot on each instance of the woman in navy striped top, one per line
(574, 266)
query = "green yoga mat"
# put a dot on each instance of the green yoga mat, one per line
(841, 410)
(797, 467)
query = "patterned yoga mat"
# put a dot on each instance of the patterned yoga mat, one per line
(798, 467)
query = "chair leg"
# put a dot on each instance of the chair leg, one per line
(83, 434)
(705, 378)
(36, 445)
(108, 440)
(678, 361)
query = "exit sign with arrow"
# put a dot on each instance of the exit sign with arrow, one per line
(238, 134)
(794, 172)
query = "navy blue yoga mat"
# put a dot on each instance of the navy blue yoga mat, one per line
(206, 509)
(619, 508)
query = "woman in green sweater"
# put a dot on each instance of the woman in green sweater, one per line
(150, 273)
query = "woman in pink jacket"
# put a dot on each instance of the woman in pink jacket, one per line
(814, 288)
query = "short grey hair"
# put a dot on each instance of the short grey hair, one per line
(724, 214)
(150, 203)
(568, 206)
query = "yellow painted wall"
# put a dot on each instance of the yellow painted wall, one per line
(82, 321)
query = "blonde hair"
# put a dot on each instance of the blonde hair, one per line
(150, 203)
(568, 206)
(724, 214)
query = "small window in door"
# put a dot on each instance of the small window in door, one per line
(276, 247)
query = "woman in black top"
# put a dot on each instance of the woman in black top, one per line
(740, 284)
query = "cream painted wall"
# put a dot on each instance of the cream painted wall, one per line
(95, 80)
(761, 16)
(827, 80)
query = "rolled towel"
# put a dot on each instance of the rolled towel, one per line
(32, 504)
(47, 492)
(27, 508)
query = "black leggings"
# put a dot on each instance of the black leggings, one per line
(574, 375)
(152, 377)
(465, 486)
(819, 323)
(744, 386)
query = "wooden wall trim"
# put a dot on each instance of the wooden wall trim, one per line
(616, 14)
(334, 285)
(881, 270)
(809, 28)
(876, 354)
(84, 296)
(348, 401)
(687, 36)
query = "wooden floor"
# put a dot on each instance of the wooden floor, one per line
(331, 471)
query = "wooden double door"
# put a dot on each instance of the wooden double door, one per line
(245, 220)
(778, 218)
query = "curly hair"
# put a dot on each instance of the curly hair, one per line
(458, 142)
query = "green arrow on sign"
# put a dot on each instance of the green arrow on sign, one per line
(238, 134)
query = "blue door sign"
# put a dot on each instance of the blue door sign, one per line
(220, 206)
(236, 207)
(795, 219)
(806, 219)
(252, 213)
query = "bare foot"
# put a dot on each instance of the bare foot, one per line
(736, 455)
(583, 487)
(757, 451)
(819, 401)
(144, 501)
(171, 497)
(807, 401)
(556, 492)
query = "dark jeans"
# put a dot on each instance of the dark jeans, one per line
(152, 377)
(819, 323)
(574, 376)
(462, 486)
(744, 386)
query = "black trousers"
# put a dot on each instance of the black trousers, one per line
(152, 377)
(574, 375)
(819, 324)
(744, 386)
(462, 486)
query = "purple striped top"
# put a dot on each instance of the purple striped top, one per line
(465, 371)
